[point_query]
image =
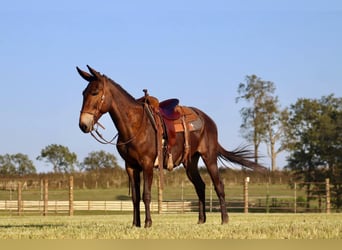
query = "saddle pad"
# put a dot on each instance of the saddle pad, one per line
(188, 113)
(195, 125)
(192, 120)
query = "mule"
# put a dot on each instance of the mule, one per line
(137, 143)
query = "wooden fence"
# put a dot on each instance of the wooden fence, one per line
(246, 203)
(54, 207)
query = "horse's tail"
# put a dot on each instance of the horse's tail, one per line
(240, 156)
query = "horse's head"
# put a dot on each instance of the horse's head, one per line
(94, 99)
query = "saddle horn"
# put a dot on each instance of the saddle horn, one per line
(86, 76)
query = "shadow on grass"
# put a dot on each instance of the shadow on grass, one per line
(123, 198)
(34, 226)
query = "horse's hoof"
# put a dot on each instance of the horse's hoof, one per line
(148, 224)
(201, 221)
(225, 221)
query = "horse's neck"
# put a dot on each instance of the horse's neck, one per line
(125, 111)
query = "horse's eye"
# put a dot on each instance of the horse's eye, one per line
(94, 92)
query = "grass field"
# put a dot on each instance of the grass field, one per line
(174, 226)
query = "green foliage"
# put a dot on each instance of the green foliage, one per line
(315, 136)
(99, 160)
(255, 91)
(62, 160)
(263, 121)
(17, 164)
(314, 141)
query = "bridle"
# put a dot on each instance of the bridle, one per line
(96, 116)
(97, 112)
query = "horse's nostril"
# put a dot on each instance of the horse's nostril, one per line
(83, 127)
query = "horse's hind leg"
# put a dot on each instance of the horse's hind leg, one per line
(219, 187)
(194, 176)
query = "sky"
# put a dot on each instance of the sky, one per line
(196, 51)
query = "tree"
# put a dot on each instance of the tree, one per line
(262, 120)
(102, 166)
(99, 160)
(23, 164)
(6, 165)
(62, 160)
(275, 126)
(17, 164)
(315, 142)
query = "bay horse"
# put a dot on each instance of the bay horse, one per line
(136, 143)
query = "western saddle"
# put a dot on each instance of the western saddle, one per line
(168, 118)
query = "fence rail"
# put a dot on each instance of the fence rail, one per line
(120, 206)
(247, 202)
(276, 204)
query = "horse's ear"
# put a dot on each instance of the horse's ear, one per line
(96, 74)
(86, 76)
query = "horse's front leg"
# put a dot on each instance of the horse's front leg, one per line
(134, 178)
(148, 177)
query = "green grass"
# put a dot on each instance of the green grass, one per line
(177, 226)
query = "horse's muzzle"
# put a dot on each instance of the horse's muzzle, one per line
(84, 128)
(86, 122)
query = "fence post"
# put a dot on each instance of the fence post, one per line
(327, 196)
(160, 195)
(41, 189)
(267, 197)
(19, 198)
(245, 194)
(295, 198)
(71, 196)
(46, 196)
(182, 196)
(211, 197)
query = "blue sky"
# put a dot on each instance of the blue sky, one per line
(197, 51)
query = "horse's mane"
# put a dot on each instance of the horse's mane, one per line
(121, 89)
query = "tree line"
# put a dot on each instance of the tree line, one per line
(61, 159)
(310, 130)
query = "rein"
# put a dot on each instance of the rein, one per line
(99, 137)
(102, 140)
